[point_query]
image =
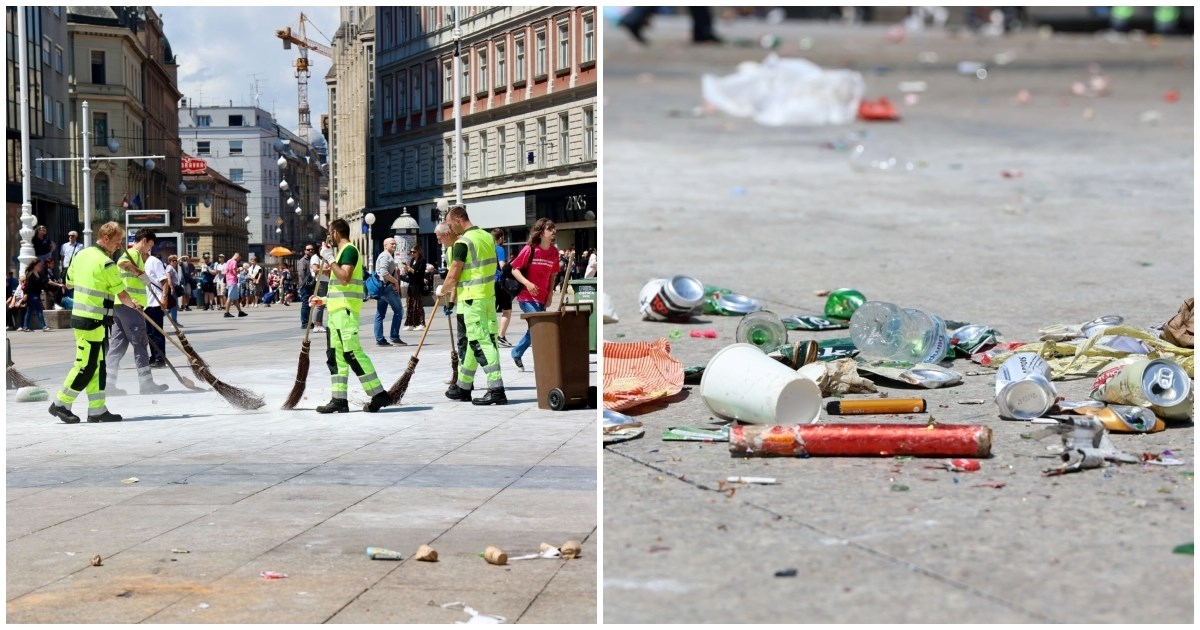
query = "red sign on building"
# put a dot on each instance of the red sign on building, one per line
(194, 166)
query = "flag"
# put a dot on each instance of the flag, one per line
(125, 200)
(137, 201)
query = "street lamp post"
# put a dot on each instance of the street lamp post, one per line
(369, 219)
(27, 254)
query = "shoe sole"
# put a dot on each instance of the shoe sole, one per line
(484, 403)
(347, 410)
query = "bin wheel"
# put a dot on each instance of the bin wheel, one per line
(557, 399)
(592, 393)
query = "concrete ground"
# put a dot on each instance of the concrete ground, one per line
(223, 495)
(1099, 221)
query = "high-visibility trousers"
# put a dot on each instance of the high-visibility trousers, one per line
(345, 353)
(87, 373)
(479, 317)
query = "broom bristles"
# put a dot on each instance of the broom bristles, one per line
(301, 378)
(397, 390)
(16, 379)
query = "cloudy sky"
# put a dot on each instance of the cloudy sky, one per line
(223, 51)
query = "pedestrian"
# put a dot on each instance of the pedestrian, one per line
(593, 265)
(96, 276)
(275, 285)
(471, 274)
(35, 284)
(187, 274)
(208, 286)
(344, 301)
(130, 326)
(414, 308)
(158, 297)
(316, 265)
(232, 288)
(288, 284)
(176, 292)
(55, 288)
(388, 274)
(17, 302)
(535, 268)
(503, 299)
(254, 276)
(305, 284)
(219, 282)
(68, 250)
(43, 246)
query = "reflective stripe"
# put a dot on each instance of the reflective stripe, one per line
(488, 369)
(367, 378)
(92, 292)
(476, 281)
(80, 307)
(342, 294)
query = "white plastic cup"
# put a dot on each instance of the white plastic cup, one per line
(742, 383)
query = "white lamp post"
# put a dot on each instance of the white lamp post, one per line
(27, 255)
(369, 219)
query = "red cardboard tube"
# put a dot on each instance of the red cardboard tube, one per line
(861, 440)
(875, 405)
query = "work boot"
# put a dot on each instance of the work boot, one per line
(378, 401)
(492, 397)
(64, 414)
(335, 405)
(115, 391)
(457, 393)
(146, 384)
(107, 416)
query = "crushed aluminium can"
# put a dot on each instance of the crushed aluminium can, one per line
(1157, 384)
(1023, 387)
(674, 299)
(972, 338)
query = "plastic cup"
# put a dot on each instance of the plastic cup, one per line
(763, 330)
(742, 383)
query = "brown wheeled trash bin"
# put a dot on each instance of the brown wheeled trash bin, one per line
(560, 356)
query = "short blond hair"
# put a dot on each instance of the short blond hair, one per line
(109, 230)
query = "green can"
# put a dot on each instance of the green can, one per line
(842, 303)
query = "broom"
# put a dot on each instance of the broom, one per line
(190, 352)
(16, 380)
(236, 396)
(453, 347)
(398, 389)
(302, 366)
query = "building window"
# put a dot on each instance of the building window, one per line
(540, 56)
(483, 150)
(464, 83)
(48, 109)
(519, 60)
(60, 116)
(387, 100)
(541, 131)
(564, 138)
(235, 147)
(466, 157)
(501, 76)
(236, 120)
(431, 83)
(564, 45)
(501, 149)
(482, 74)
(191, 246)
(589, 134)
(448, 160)
(101, 202)
(448, 84)
(203, 147)
(47, 46)
(98, 67)
(522, 151)
(589, 38)
(401, 94)
(58, 58)
(190, 204)
(204, 121)
(99, 129)
(237, 175)
(61, 170)
(416, 86)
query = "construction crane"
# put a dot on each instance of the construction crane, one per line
(300, 38)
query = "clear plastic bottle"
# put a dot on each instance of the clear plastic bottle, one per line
(881, 330)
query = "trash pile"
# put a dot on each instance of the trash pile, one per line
(769, 392)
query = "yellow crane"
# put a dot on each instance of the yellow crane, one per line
(299, 37)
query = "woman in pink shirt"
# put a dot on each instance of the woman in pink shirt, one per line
(535, 268)
(233, 293)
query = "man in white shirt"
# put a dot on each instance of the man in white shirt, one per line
(255, 274)
(155, 294)
(68, 250)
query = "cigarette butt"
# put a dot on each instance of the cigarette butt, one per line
(877, 405)
(425, 553)
(494, 555)
(571, 549)
(758, 480)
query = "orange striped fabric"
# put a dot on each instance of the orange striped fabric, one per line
(639, 372)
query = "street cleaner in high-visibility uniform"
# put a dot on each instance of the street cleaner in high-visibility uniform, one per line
(131, 327)
(97, 286)
(343, 303)
(472, 275)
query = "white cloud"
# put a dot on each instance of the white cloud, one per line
(222, 51)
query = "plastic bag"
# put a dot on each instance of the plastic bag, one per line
(781, 92)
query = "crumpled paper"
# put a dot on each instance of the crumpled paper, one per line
(1089, 357)
(638, 372)
(1086, 445)
(838, 377)
(1181, 329)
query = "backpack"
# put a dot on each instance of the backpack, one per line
(508, 282)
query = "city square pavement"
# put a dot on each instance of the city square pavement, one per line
(222, 495)
(1094, 217)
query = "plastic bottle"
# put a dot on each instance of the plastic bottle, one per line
(881, 330)
(762, 329)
